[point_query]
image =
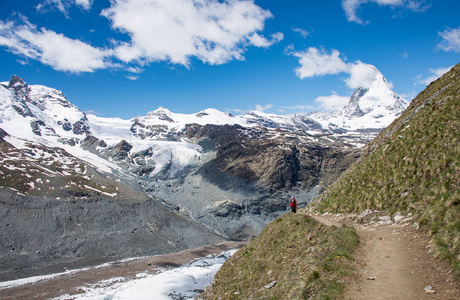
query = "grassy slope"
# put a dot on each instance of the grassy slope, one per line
(413, 166)
(305, 258)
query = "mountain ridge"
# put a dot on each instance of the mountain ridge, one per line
(218, 172)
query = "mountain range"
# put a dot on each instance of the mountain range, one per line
(225, 176)
(412, 168)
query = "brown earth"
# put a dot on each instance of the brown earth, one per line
(394, 261)
(71, 284)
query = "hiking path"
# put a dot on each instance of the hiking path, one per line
(395, 261)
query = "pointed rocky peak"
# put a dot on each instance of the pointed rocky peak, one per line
(374, 94)
(16, 83)
(20, 93)
(162, 113)
(353, 109)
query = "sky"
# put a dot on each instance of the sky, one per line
(124, 58)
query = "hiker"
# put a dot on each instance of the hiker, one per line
(293, 205)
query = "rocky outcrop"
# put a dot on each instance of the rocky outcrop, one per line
(120, 151)
(3, 134)
(353, 109)
(20, 92)
(277, 163)
(91, 142)
(81, 127)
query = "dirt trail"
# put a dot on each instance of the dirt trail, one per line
(393, 262)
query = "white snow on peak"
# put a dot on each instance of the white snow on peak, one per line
(177, 121)
(41, 114)
(372, 106)
(111, 130)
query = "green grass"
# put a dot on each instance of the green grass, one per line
(307, 259)
(412, 166)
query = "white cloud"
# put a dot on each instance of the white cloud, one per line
(432, 76)
(132, 77)
(260, 41)
(51, 48)
(352, 6)
(173, 31)
(63, 5)
(332, 102)
(364, 75)
(303, 33)
(314, 62)
(177, 30)
(85, 4)
(451, 40)
(263, 108)
(404, 54)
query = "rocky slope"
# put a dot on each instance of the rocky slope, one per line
(413, 166)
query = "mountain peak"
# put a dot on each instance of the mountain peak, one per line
(374, 96)
(16, 82)
(161, 113)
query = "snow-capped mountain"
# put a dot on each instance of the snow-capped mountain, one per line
(212, 171)
(372, 107)
(44, 115)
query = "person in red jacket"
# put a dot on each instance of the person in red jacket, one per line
(293, 205)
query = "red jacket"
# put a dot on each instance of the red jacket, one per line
(293, 203)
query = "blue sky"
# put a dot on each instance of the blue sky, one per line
(127, 57)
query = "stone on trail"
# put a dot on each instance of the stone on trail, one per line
(270, 285)
(429, 290)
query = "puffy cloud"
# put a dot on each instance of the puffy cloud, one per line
(260, 41)
(176, 30)
(433, 75)
(364, 75)
(352, 6)
(450, 40)
(314, 62)
(51, 48)
(332, 102)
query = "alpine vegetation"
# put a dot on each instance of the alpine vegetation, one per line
(413, 166)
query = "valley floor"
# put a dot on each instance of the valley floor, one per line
(71, 284)
(394, 262)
